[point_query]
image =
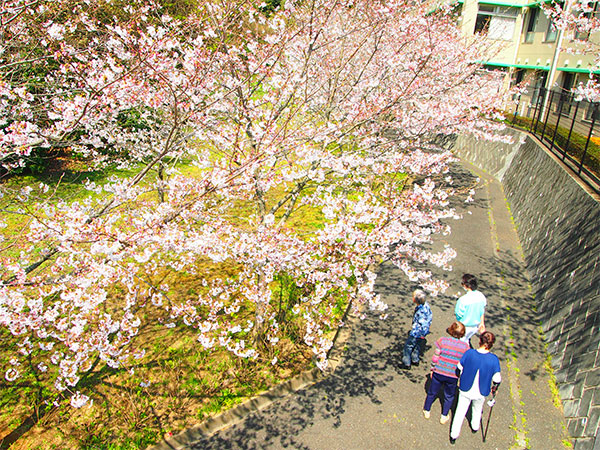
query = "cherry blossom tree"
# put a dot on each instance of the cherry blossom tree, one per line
(90, 76)
(328, 106)
(580, 18)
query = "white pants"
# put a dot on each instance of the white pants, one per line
(461, 411)
(469, 332)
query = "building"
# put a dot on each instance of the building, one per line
(528, 47)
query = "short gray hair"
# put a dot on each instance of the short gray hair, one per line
(420, 296)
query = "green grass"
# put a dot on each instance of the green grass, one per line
(224, 400)
(552, 384)
(143, 439)
(67, 186)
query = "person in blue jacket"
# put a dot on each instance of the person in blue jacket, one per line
(479, 374)
(413, 347)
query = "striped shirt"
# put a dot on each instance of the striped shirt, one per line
(448, 351)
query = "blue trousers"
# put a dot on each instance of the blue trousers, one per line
(413, 348)
(437, 382)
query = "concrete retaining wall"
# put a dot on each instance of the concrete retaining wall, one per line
(558, 223)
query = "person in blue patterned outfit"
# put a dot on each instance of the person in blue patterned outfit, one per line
(415, 343)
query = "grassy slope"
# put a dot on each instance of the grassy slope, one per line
(176, 385)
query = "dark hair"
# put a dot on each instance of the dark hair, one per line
(487, 338)
(456, 330)
(469, 281)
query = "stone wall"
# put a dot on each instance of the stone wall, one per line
(558, 223)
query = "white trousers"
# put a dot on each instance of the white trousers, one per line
(461, 411)
(469, 332)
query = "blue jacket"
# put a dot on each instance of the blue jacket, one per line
(486, 363)
(421, 321)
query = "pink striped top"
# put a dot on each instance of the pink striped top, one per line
(447, 354)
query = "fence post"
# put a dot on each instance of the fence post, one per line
(587, 143)
(537, 103)
(560, 107)
(571, 131)
(516, 109)
(548, 108)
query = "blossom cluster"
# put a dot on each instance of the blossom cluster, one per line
(329, 107)
(580, 20)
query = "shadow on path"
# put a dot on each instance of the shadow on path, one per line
(369, 401)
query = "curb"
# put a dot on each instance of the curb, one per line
(239, 412)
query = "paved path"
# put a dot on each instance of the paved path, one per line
(369, 402)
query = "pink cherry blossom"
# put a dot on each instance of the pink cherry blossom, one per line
(333, 110)
(78, 400)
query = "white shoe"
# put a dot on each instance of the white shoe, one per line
(427, 414)
(444, 419)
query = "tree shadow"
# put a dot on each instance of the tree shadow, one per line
(92, 384)
(98, 383)
(372, 358)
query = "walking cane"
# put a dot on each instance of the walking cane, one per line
(491, 404)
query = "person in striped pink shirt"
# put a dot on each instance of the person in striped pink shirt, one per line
(448, 351)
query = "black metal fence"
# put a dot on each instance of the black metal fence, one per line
(568, 126)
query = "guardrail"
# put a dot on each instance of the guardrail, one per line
(568, 126)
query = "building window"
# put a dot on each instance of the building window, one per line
(551, 32)
(497, 22)
(539, 81)
(565, 97)
(519, 77)
(531, 20)
(568, 81)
